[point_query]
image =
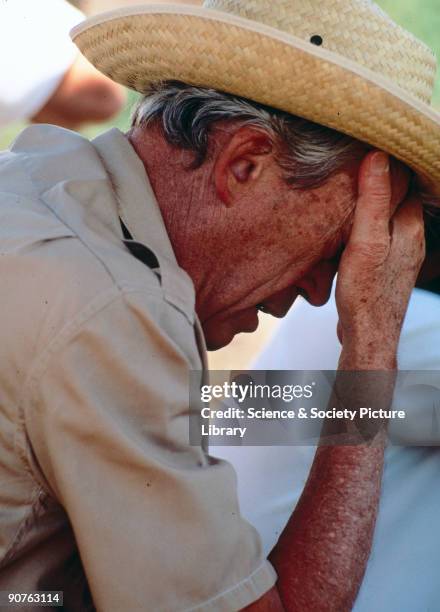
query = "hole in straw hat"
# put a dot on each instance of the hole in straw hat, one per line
(316, 40)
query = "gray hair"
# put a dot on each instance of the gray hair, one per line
(308, 153)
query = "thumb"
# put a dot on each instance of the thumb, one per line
(373, 207)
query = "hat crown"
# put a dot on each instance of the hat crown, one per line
(356, 29)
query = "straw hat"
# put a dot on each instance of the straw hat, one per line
(341, 63)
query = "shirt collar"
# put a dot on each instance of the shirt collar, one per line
(140, 212)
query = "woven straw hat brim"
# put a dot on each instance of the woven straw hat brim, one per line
(143, 44)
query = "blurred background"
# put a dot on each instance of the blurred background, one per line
(421, 17)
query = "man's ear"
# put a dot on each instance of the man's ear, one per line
(240, 161)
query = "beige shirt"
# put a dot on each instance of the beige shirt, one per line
(100, 488)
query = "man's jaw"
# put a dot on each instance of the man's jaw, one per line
(221, 328)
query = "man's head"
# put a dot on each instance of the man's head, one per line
(266, 212)
(258, 203)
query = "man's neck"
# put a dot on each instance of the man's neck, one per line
(179, 190)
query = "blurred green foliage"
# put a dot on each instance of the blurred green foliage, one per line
(421, 17)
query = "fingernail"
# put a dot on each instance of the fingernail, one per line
(380, 163)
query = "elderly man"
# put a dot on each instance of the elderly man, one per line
(120, 256)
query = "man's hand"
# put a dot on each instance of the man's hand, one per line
(378, 269)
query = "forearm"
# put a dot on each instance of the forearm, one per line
(322, 554)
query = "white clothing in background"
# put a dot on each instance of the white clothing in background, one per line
(35, 53)
(402, 573)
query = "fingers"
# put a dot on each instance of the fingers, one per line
(379, 266)
(410, 212)
(373, 207)
(400, 176)
(408, 228)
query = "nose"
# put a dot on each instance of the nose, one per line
(316, 285)
(278, 304)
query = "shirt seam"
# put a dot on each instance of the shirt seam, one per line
(84, 244)
(34, 496)
(120, 211)
(41, 362)
(264, 568)
(41, 198)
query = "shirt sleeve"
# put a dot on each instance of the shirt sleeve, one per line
(35, 52)
(156, 522)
